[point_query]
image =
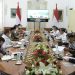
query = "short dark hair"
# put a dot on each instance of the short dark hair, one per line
(14, 27)
(63, 29)
(55, 27)
(19, 24)
(2, 39)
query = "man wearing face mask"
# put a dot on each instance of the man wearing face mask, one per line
(7, 42)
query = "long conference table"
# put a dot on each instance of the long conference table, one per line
(11, 68)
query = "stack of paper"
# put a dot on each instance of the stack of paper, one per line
(7, 57)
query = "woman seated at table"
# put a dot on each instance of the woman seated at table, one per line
(1, 48)
(55, 32)
(6, 36)
(14, 33)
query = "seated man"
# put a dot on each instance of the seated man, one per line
(55, 32)
(1, 43)
(71, 47)
(14, 33)
(71, 39)
(6, 38)
(63, 36)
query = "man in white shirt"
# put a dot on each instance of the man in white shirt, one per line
(55, 31)
(7, 39)
(63, 35)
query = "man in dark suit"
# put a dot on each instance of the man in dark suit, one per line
(14, 33)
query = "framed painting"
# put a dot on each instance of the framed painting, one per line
(60, 12)
(13, 12)
(60, 15)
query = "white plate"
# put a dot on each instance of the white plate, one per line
(19, 62)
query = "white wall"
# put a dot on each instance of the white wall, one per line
(1, 5)
(62, 5)
(8, 4)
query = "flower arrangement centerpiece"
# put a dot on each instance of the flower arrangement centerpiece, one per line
(41, 54)
(42, 70)
(41, 62)
(37, 37)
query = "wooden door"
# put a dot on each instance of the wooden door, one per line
(71, 21)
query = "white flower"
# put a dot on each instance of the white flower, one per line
(27, 72)
(47, 72)
(37, 71)
(33, 66)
